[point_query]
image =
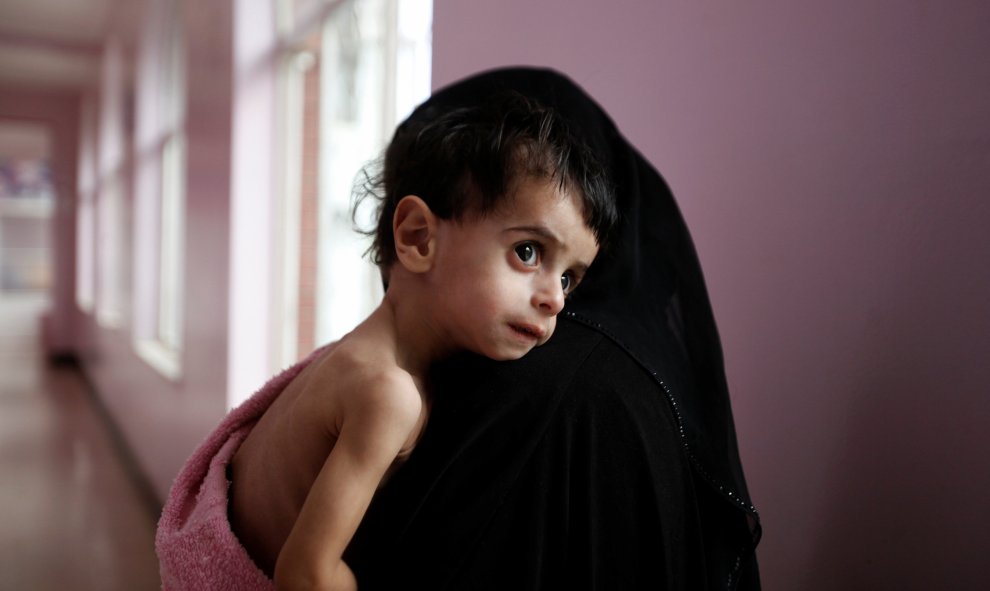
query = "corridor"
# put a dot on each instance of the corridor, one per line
(71, 516)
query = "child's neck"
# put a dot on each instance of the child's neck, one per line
(414, 338)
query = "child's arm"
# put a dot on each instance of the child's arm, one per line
(375, 423)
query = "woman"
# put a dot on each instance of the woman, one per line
(605, 459)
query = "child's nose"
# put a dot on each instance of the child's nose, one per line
(549, 297)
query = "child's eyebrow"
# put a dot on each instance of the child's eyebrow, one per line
(541, 231)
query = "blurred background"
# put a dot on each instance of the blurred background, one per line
(175, 178)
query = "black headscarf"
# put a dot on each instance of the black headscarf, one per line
(500, 431)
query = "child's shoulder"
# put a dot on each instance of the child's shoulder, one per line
(366, 381)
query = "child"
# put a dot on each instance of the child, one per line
(489, 217)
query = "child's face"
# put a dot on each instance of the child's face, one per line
(500, 280)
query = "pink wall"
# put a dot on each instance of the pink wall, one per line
(254, 192)
(832, 162)
(163, 420)
(833, 165)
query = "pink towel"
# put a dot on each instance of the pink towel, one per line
(197, 550)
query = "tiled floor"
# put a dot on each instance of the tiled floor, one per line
(70, 518)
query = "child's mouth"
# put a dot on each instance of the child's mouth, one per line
(529, 331)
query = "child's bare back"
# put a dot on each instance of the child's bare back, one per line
(313, 461)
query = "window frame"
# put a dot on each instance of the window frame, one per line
(297, 26)
(160, 203)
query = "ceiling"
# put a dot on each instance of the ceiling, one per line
(53, 43)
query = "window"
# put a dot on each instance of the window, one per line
(110, 185)
(347, 79)
(160, 193)
(26, 205)
(173, 166)
(85, 214)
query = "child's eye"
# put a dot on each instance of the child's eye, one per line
(567, 282)
(528, 253)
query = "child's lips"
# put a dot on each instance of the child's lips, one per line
(531, 331)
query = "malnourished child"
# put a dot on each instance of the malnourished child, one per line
(488, 218)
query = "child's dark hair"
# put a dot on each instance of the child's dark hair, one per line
(468, 160)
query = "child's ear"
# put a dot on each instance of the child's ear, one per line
(414, 228)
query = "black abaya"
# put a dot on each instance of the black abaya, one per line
(605, 459)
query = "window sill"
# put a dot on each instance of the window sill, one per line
(164, 360)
